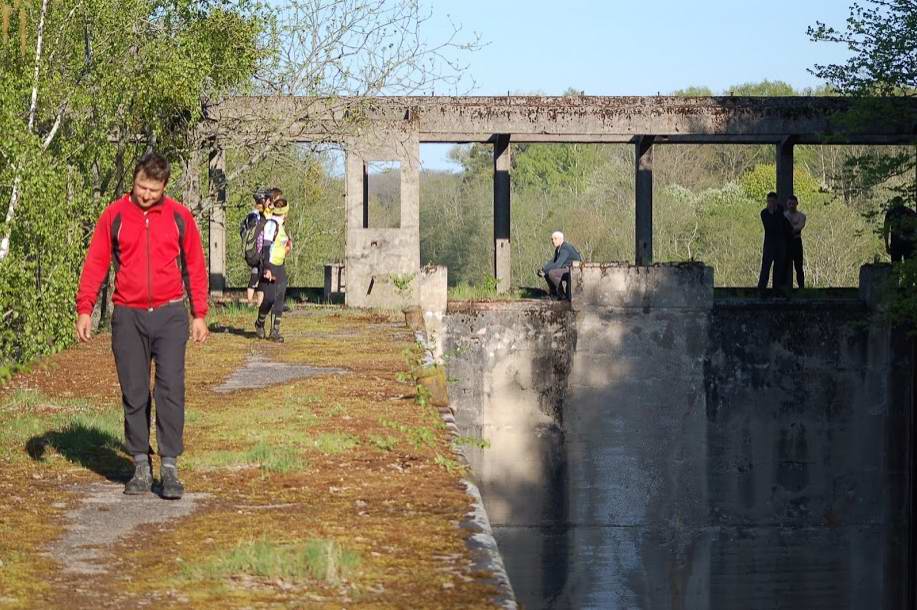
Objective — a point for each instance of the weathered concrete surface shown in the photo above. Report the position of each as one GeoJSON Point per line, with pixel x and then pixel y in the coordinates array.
{"type": "Point", "coordinates": [105, 515]}
{"type": "Point", "coordinates": [259, 372]}
{"type": "Point", "coordinates": [377, 259]}
{"type": "Point", "coordinates": [743, 453]}
{"type": "Point", "coordinates": [561, 119]}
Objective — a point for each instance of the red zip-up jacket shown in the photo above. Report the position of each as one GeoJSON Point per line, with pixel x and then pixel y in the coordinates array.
{"type": "Point", "coordinates": [157, 254]}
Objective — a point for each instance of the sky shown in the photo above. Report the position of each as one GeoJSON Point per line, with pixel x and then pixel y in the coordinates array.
{"type": "Point", "coordinates": [633, 47]}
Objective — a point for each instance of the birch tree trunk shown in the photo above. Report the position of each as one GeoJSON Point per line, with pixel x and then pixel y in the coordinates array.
{"type": "Point", "coordinates": [33, 108]}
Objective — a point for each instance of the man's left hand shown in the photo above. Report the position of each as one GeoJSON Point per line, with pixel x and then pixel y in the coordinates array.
{"type": "Point", "coordinates": [199, 330]}
{"type": "Point", "coordinates": [540, 273]}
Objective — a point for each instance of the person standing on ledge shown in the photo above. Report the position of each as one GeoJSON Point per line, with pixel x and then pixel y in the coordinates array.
{"type": "Point", "coordinates": [797, 222]}
{"type": "Point", "coordinates": [899, 231]}
{"type": "Point", "coordinates": [557, 270]}
{"type": "Point", "coordinates": [159, 260]}
{"type": "Point", "coordinates": [776, 232]}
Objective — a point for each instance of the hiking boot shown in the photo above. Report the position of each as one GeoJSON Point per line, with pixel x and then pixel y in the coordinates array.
{"type": "Point", "coordinates": [259, 330]}
{"type": "Point", "coordinates": [141, 482]}
{"type": "Point", "coordinates": [172, 489]}
{"type": "Point", "coordinates": [275, 336]}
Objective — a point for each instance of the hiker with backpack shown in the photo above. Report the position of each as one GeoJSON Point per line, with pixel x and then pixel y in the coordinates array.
{"type": "Point", "coordinates": [275, 245]}
{"type": "Point", "coordinates": [250, 231]}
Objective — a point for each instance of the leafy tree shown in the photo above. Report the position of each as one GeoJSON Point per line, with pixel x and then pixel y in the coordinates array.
{"type": "Point", "coordinates": [882, 38]}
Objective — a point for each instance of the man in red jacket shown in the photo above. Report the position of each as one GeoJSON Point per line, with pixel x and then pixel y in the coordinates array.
{"type": "Point", "coordinates": [156, 249]}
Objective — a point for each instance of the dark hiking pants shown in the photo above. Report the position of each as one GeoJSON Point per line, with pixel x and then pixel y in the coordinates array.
{"type": "Point", "coordinates": [138, 337]}
{"type": "Point", "coordinates": [774, 257]}
{"type": "Point", "coordinates": [794, 261]}
{"type": "Point", "coordinates": [275, 293]}
{"type": "Point", "coordinates": [555, 277]}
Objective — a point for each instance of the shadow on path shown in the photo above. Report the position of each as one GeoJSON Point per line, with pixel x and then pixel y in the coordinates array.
{"type": "Point", "coordinates": [88, 446]}
{"type": "Point", "coordinates": [231, 330]}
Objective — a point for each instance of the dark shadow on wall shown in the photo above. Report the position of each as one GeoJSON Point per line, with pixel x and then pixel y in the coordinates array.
{"type": "Point", "coordinates": [87, 446]}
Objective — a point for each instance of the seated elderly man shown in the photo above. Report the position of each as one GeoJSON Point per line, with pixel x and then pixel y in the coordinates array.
{"type": "Point", "coordinates": [557, 271]}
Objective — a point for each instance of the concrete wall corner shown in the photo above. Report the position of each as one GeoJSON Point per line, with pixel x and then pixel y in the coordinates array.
{"type": "Point", "coordinates": [625, 286]}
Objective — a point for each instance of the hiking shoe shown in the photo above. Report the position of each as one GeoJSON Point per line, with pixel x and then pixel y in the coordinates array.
{"type": "Point", "coordinates": [172, 489]}
{"type": "Point", "coordinates": [259, 330]}
{"type": "Point", "coordinates": [275, 336]}
{"type": "Point", "coordinates": [141, 482]}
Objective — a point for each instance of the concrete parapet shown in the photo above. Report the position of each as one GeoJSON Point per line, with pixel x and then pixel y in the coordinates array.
{"type": "Point", "coordinates": [626, 286]}
{"type": "Point", "coordinates": [874, 283]}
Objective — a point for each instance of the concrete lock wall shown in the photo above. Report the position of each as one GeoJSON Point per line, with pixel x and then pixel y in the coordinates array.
{"type": "Point", "coordinates": [656, 447]}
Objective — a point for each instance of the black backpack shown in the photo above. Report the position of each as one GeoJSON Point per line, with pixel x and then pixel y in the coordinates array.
{"type": "Point", "coordinates": [251, 240]}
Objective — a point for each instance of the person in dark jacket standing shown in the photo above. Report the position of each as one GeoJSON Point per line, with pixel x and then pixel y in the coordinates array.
{"type": "Point", "coordinates": [159, 260]}
{"type": "Point", "coordinates": [899, 231]}
{"type": "Point", "coordinates": [557, 270]}
{"type": "Point", "coordinates": [777, 231]}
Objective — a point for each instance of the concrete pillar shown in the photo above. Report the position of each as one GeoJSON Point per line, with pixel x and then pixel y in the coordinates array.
{"type": "Point", "coordinates": [502, 261]}
{"type": "Point", "coordinates": [217, 228]}
{"type": "Point", "coordinates": [643, 220]}
{"type": "Point", "coordinates": [784, 169]}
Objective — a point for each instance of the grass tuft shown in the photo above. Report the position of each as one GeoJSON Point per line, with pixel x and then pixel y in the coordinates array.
{"type": "Point", "coordinates": [335, 442]}
{"type": "Point", "coordinates": [317, 560]}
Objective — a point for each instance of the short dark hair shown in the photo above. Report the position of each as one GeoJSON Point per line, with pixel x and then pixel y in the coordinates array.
{"type": "Point", "coordinates": [771, 195]}
{"type": "Point", "coordinates": [155, 166]}
{"type": "Point", "coordinates": [793, 198]}
{"type": "Point", "coordinates": [276, 194]}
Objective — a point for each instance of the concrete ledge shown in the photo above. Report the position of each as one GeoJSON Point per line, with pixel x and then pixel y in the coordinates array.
{"type": "Point", "coordinates": [626, 286]}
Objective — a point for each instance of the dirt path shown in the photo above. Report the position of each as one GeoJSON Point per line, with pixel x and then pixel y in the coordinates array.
{"type": "Point", "coordinates": [315, 480]}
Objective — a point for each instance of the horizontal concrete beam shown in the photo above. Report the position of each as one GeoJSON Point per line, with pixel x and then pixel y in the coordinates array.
{"type": "Point", "coordinates": [703, 120]}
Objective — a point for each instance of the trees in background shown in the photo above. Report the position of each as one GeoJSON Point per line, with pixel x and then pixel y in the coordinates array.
{"type": "Point", "coordinates": [882, 38]}
{"type": "Point", "coordinates": [98, 83]}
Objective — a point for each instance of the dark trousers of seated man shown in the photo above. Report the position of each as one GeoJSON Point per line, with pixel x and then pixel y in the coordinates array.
{"type": "Point", "coordinates": [275, 293]}
{"type": "Point", "coordinates": [139, 337]}
{"type": "Point", "coordinates": [555, 278]}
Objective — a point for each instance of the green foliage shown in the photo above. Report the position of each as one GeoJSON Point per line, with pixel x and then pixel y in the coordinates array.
{"type": "Point", "coordinates": [762, 179]}
{"type": "Point", "coordinates": [402, 282]}
{"type": "Point", "coordinates": [108, 72]}
{"type": "Point", "coordinates": [315, 221]}
{"type": "Point", "coordinates": [882, 38]}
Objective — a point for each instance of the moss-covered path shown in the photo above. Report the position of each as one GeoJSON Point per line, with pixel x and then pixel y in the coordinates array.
{"type": "Point", "coordinates": [328, 487]}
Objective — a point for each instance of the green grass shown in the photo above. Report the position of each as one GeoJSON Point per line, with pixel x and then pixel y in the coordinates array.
{"type": "Point", "coordinates": [271, 458]}
{"type": "Point", "coordinates": [317, 560]}
{"type": "Point", "coordinates": [384, 443]}
{"type": "Point", "coordinates": [422, 436]}
{"type": "Point", "coordinates": [335, 442]}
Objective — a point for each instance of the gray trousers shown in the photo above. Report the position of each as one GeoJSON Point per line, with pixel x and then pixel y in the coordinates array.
{"type": "Point", "coordinates": [554, 278]}
{"type": "Point", "coordinates": [139, 337]}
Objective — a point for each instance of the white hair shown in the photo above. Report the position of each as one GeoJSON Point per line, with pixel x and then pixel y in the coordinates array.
{"type": "Point", "coordinates": [557, 234]}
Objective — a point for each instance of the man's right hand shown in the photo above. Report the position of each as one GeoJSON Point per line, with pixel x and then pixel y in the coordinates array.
{"type": "Point", "coordinates": [268, 276]}
{"type": "Point", "coordinates": [84, 327]}
{"type": "Point", "coordinates": [540, 273]}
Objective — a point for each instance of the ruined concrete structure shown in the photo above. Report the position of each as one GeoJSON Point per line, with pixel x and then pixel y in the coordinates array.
{"type": "Point", "coordinates": [392, 129]}
{"type": "Point", "coordinates": [657, 447]}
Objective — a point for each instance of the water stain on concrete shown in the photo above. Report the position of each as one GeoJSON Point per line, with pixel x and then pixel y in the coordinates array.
{"type": "Point", "coordinates": [105, 516]}
{"type": "Point", "coordinates": [259, 372]}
